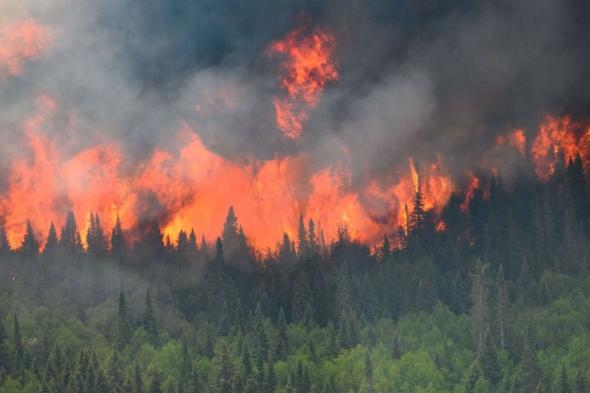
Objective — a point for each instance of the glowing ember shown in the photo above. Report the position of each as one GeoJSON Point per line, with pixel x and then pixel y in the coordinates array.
{"type": "Point", "coordinates": [308, 66]}
{"type": "Point", "coordinates": [20, 42]}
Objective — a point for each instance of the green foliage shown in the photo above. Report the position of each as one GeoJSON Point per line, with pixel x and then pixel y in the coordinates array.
{"type": "Point", "coordinates": [500, 302]}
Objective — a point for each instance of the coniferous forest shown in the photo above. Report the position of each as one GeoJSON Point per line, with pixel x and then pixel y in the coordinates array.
{"type": "Point", "coordinates": [499, 301]}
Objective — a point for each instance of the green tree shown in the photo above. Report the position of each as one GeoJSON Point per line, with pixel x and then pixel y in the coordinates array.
{"type": "Point", "coordinates": [30, 246]}
{"type": "Point", "coordinates": [156, 384]}
{"type": "Point", "coordinates": [564, 385]}
{"type": "Point", "coordinates": [123, 327]}
{"type": "Point", "coordinates": [19, 349]}
{"type": "Point", "coordinates": [137, 380]}
{"type": "Point", "coordinates": [480, 307]}
{"type": "Point", "coordinates": [148, 319]}
{"type": "Point", "coordinates": [581, 384]}
{"type": "Point", "coordinates": [488, 362]}
{"type": "Point", "coordinates": [52, 242]}
{"type": "Point", "coordinates": [282, 346]}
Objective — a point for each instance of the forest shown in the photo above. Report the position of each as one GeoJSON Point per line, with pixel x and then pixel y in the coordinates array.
{"type": "Point", "coordinates": [496, 300]}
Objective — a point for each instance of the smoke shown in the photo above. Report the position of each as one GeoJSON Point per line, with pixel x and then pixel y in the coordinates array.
{"type": "Point", "coordinates": [416, 78]}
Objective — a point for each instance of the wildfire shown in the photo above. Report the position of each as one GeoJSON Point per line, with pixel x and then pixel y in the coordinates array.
{"type": "Point", "coordinates": [19, 42]}
{"type": "Point", "coordinates": [516, 139]}
{"type": "Point", "coordinates": [308, 67]}
{"type": "Point", "coordinates": [556, 139]}
{"type": "Point", "coordinates": [473, 186]}
{"type": "Point", "coordinates": [193, 188]}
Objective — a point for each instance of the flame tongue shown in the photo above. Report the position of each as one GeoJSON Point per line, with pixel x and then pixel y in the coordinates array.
{"type": "Point", "coordinates": [19, 42]}
{"type": "Point", "coordinates": [308, 67]}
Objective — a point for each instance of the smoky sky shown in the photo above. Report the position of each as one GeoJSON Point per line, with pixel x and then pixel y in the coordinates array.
{"type": "Point", "coordinates": [417, 77]}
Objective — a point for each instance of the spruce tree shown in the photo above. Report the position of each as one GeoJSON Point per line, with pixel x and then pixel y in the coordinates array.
{"type": "Point", "coordinates": [564, 385]}
{"type": "Point", "coordinates": [118, 243]}
{"type": "Point", "coordinates": [148, 319]}
{"type": "Point", "coordinates": [282, 346]}
{"type": "Point", "coordinates": [52, 242]}
{"type": "Point", "coordinates": [69, 239]}
{"type": "Point", "coordinates": [95, 237]}
{"type": "Point", "coordinates": [123, 327]}
{"type": "Point", "coordinates": [581, 384]}
{"type": "Point", "coordinates": [226, 370]}
{"type": "Point", "coordinates": [501, 308]}
{"type": "Point", "coordinates": [6, 353]}
{"type": "Point", "coordinates": [30, 246]}
{"type": "Point", "coordinates": [489, 362]}
{"type": "Point", "coordinates": [302, 237]}
{"type": "Point", "coordinates": [19, 349]}
{"type": "Point", "coordinates": [137, 380]}
{"type": "Point", "coordinates": [479, 301]}
{"type": "Point", "coordinates": [531, 369]}
{"type": "Point", "coordinates": [156, 384]}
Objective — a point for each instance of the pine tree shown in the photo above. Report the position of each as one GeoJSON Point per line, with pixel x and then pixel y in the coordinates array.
{"type": "Point", "coordinates": [69, 239]}
{"type": "Point", "coordinates": [52, 242]}
{"type": "Point", "coordinates": [331, 385]}
{"type": "Point", "coordinates": [5, 351]}
{"type": "Point", "coordinates": [581, 384]}
{"type": "Point", "coordinates": [123, 327]}
{"type": "Point", "coordinates": [270, 380]}
{"type": "Point", "coordinates": [369, 372]}
{"type": "Point", "coordinates": [156, 384]}
{"type": "Point", "coordinates": [472, 381]}
{"type": "Point", "coordinates": [182, 242]}
{"type": "Point", "coordinates": [114, 373]}
{"type": "Point", "coordinates": [219, 251]}
{"type": "Point", "coordinates": [417, 219]}
{"type": "Point", "coordinates": [312, 242]}
{"type": "Point", "coordinates": [531, 369]}
{"type": "Point", "coordinates": [489, 362]}
{"type": "Point", "coordinates": [102, 383]}
{"type": "Point", "coordinates": [564, 385]}
{"type": "Point", "coordinates": [282, 347]}
{"type": "Point", "coordinates": [226, 370]}
{"type": "Point", "coordinates": [118, 243]}
{"type": "Point", "coordinates": [286, 249]}
{"type": "Point", "coordinates": [192, 241]}
{"type": "Point", "coordinates": [479, 309]}
{"type": "Point", "coordinates": [195, 386]}
{"type": "Point", "coordinates": [19, 349]}
{"type": "Point", "coordinates": [137, 380]}
{"type": "Point", "coordinates": [30, 246]}
{"type": "Point", "coordinates": [302, 237]}
{"type": "Point", "coordinates": [259, 333]}
{"type": "Point", "coordinates": [396, 351]}
{"type": "Point", "coordinates": [95, 237]}
{"type": "Point", "coordinates": [148, 319]}
{"type": "Point", "coordinates": [501, 307]}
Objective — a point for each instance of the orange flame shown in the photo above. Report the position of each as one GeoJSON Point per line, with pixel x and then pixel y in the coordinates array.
{"type": "Point", "coordinates": [558, 138]}
{"type": "Point", "coordinates": [474, 185]}
{"type": "Point", "coordinates": [516, 139]}
{"type": "Point", "coordinates": [309, 67]}
{"type": "Point", "coordinates": [19, 42]}
{"type": "Point", "coordinates": [195, 186]}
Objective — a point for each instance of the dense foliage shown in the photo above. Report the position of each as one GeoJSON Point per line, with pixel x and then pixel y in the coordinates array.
{"type": "Point", "coordinates": [499, 301]}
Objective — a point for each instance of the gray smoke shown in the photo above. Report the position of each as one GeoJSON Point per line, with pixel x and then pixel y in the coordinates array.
{"type": "Point", "coordinates": [416, 77]}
